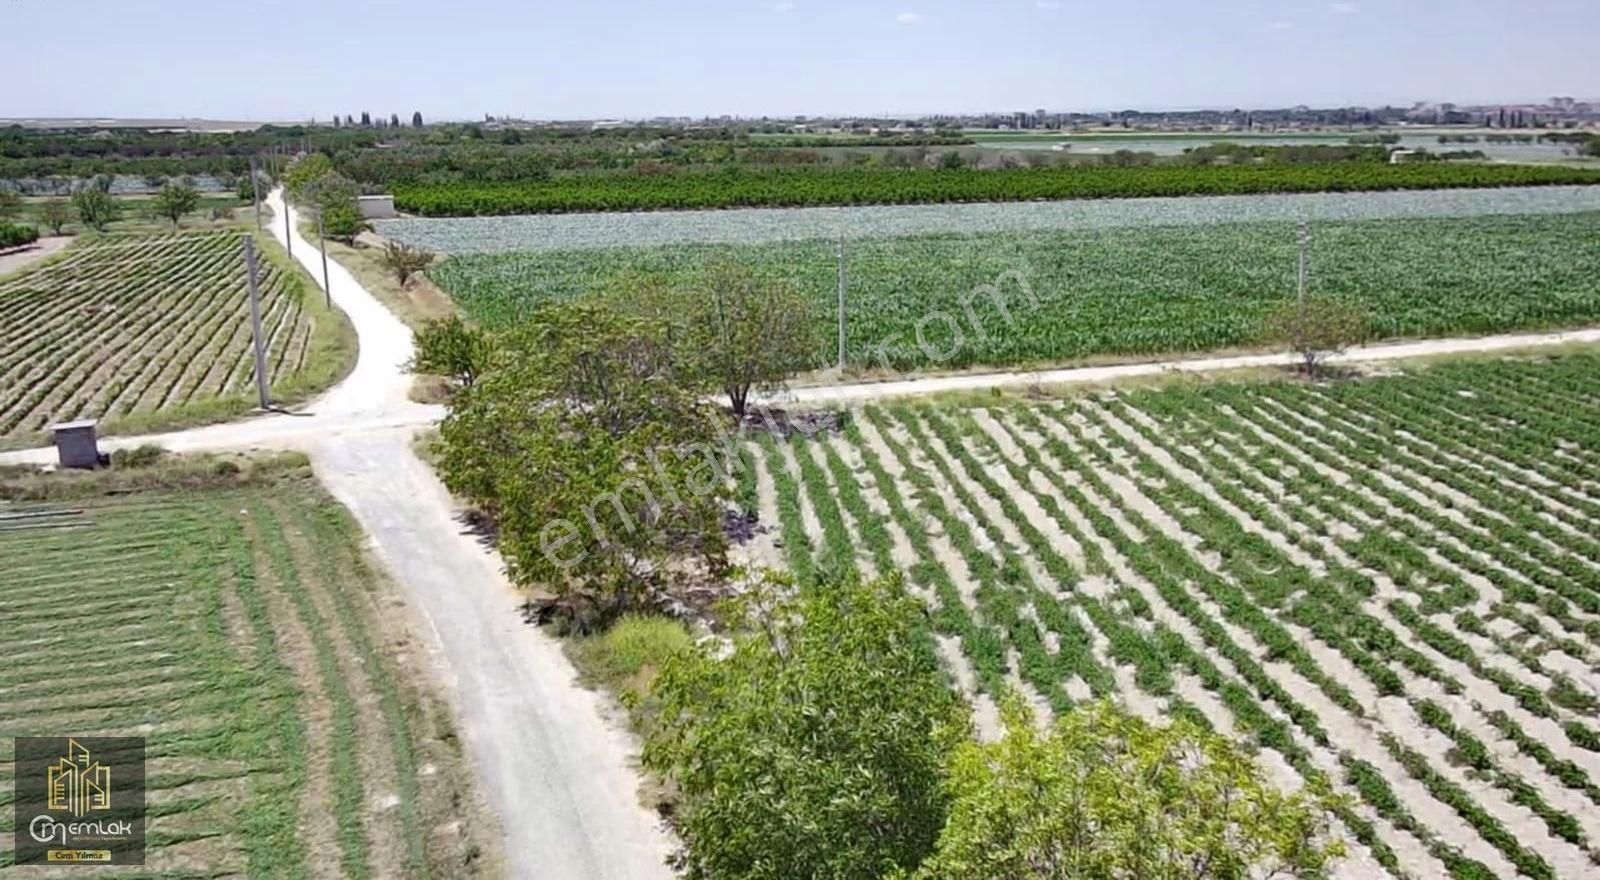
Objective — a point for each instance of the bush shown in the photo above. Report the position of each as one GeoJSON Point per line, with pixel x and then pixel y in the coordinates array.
{"type": "Point", "coordinates": [450, 348]}
{"type": "Point", "coordinates": [1104, 794]}
{"type": "Point", "coordinates": [1314, 328]}
{"type": "Point", "coordinates": [144, 455]}
{"type": "Point", "coordinates": [404, 260]}
{"type": "Point", "coordinates": [16, 236]}
{"type": "Point", "coordinates": [638, 643]}
{"type": "Point", "coordinates": [10, 204]}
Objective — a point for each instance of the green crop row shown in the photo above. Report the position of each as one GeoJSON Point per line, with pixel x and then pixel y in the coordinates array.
{"type": "Point", "coordinates": [921, 302]}
{"type": "Point", "coordinates": [889, 186]}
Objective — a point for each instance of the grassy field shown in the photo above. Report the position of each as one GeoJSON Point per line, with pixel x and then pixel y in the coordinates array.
{"type": "Point", "coordinates": [1390, 584]}
{"type": "Point", "coordinates": [290, 723]}
{"type": "Point", "coordinates": [152, 330]}
{"type": "Point", "coordinates": [1110, 292]}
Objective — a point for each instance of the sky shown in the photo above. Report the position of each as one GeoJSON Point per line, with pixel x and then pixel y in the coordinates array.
{"type": "Point", "coordinates": [293, 60]}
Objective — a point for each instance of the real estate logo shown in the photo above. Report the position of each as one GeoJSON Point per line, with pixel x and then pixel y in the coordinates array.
{"type": "Point", "coordinates": [79, 800]}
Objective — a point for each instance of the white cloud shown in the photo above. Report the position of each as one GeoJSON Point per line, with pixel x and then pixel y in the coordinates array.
{"type": "Point", "coordinates": [1048, 4]}
{"type": "Point", "coordinates": [1343, 8]}
{"type": "Point", "coordinates": [1280, 26]}
{"type": "Point", "coordinates": [908, 18]}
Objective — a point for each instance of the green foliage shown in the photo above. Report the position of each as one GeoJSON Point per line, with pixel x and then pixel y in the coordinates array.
{"type": "Point", "coordinates": [55, 214]}
{"type": "Point", "coordinates": [863, 186]}
{"type": "Point", "coordinates": [175, 200]}
{"type": "Point", "coordinates": [600, 466]}
{"type": "Point", "coordinates": [1104, 794]}
{"type": "Point", "coordinates": [814, 749]}
{"type": "Point", "coordinates": [342, 221]}
{"type": "Point", "coordinates": [1124, 291]}
{"type": "Point", "coordinates": [734, 331]}
{"type": "Point", "coordinates": [405, 261]}
{"type": "Point", "coordinates": [1315, 327]}
{"type": "Point", "coordinates": [10, 204]}
{"type": "Point", "coordinates": [303, 174]}
{"type": "Point", "coordinates": [638, 643]}
{"type": "Point", "coordinates": [449, 347]}
{"type": "Point", "coordinates": [96, 208]}
{"type": "Point", "coordinates": [14, 236]}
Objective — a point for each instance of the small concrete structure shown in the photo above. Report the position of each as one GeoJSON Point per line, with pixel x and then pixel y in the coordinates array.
{"type": "Point", "coordinates": [377, 207]}
{"type": "Point", "coordinates": [76, 444]}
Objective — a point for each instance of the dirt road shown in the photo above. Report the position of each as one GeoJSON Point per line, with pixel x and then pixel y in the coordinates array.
{"type": "Point", "coordinates": [548, 760]}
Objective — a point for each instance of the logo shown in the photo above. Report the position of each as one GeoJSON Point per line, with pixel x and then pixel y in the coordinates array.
{"type": "Point", "coordinates": [79, 800]}
{"type": "Point", "coordinates": [78, 783]}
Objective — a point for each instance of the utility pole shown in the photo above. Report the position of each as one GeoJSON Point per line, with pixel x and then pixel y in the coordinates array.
{"type": "Point", "coordinates": [844, 286]}
{"type": "Point", "coordinates": [1305, 257]}
{"type": "Point", "coordinates": [288, 228]}
{"type": "Point", "coordinates": [255, 322]}
{"type": "Point", "coordinates": [322, 244]}
{"type": "Point", "coordinates": [255, 191]}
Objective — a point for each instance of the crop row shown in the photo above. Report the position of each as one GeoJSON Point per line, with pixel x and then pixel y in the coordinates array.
{"type": "Point", "coordinates": [136, 325]}
{"type": "Point", "coordinates": [547, 232]}
{"type": "Point", "coordinates": [1393, 585]}
{"type": "Point", "coordinates": [922, 302]}
{"type": "Point", "coordinates": [863, 186]}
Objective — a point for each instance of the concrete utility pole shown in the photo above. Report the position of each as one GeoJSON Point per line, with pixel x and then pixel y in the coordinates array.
{"type": "Point", "coordinates": [322, 244]}
{"type": "Point", "coordinates": [1305, 257]}
{"type": "Point", "coordinates": [288, 228]}
{"type": "Point", "coordinates": [255, 191]}
{"type": "Point", "coordinates": [255, 322]}
{"type": "Point", "coordinates": [844, 286]}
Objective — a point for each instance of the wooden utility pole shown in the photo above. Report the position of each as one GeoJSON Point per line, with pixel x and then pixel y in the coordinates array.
{"type": "Point", "coordinates": [1305, 257]}
{"type": "Point", "coordinates": [255, 191]}
{"type": "Point", "coordinates": [844, 286]}
{"type": "Point", "coordinates": [255, 323]}
{"type": "Point", "coordinates": [322, 244]}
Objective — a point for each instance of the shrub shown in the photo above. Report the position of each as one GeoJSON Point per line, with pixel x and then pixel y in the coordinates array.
{"type": "Point", "coordinates": [1315, 327]}
{"type": "Point", "coordinates": [10, 203]}
{"type": "Point", "coordinates": [1105, 794]}
{"type": "Point", "coordinates": [16, 236]}
{"type": "Point", "coordinates": [404, 260]}
{"type": "Point", "coordinates": [450, 348]}
{"type": "Point", "coordinates": [140, 456]}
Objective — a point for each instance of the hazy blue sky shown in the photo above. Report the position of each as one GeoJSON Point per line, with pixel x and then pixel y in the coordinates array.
{"type": "Point", "coordinates": [295, 59]}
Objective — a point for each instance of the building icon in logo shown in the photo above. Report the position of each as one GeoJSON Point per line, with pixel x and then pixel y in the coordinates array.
{"type": "Point", "coordinates": [77, 783]}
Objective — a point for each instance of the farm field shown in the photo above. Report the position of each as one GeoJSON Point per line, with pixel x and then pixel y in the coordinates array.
{"type": "Point", "coordinates": [154, 329]}
{"type": "Point", "coordinates": [1119, 292]}
{"type": "Point", "coordinates": [1389, 584]}
{"type": "Point", "coordinates": [289, 730]}
{"type": "Point", "coordinates": [538, 232]}
{"type": "Point", "coordinates": [860, 186]}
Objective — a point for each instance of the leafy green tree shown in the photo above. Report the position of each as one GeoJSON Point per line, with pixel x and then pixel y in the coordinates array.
{"type": "Point", "coordinates": [336, 199]}
{"type": "Point", "coordinates": [175, 200]}
{"type": "Point", "coordinates": [96, 208]}
{"type": "Point", "coordinates": [1315, 327]}
{"type": "Point", "coordinates": [1105, 794]}
{"type": "Point", "coordinates": [451, 348]}
{"type": "Point", "coordinates": [55, 214]}
{"type": "Point", "coordinates": [733, 333]}
{"type": "Point", "coordinates": [814, 748]}
{"type": "Point", "coordinates": [10, 204]}
{"type": "Point", "coordinates": [752, 335]}
{"type": "Point", "coordinates": [600, 467]}
{"type": "Point", "coordinates": [305, 172]}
